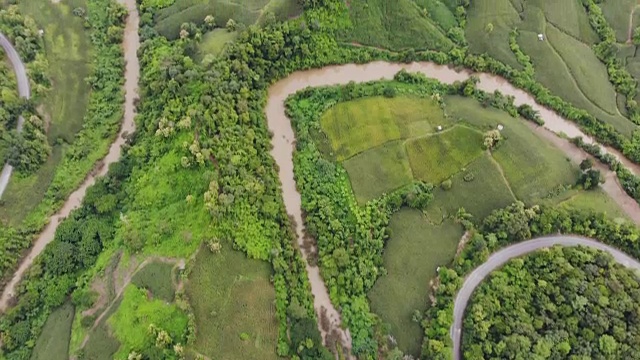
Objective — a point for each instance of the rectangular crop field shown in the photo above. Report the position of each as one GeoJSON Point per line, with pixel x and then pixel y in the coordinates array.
{"type": "Point", "coordinates": [378, 170]}
{"type": "Point", "coordinates": [618, 15]}
{"type": "Point", "coordinates": [358, 125]}
{"type": "Point", "coordinates": [492, 39]}
{"type": "Point", "coordinates": [230, 295]}
{"type": "Point", "coordinates": [53, 342]}
{"type": "Point", "coordinates": [437, 157]}
{"type": "Point", "coordinates": [412, 254]}
{"type": "Point", "coordinates": [532, 166]}
{"type": "Point", "coordinates": [157, 278]}
{"type": "Point", "coordinates": [596, 200]}
{"type": "Point", "coordinates": [569, 16]}
{"type": "Point", "coordinates": [486, 192]}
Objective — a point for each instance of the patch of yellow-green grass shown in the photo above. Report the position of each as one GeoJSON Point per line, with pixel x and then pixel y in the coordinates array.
{"type": "Point", "coordinates": [411, 257]}
{"type": "Point", "coordinates": [437, 157]}
{"type": "Point", "coordinates": [394, 25]}
{"type": "Point", "coordinates": [597, 201]}
{"type": "Point", "coordinates": [492, 39]}
{"type": "Point", "coordinates": [53, 342]}
{"type": "Point", "coordinates": [214, 42]}
{"type": "Point", "coordinates": [130, 323]}
{"type": "Point", "coordinates": [358, 125]}
{"type": "Point", "coordinates": [230, 295]}
{"type": "Point", "coordinates": [532, 166]}
{"type": "Point", "coordinates": [617, 14]}
{"type": "Point", "coordinates": [378, 170]}
{"type": "Point", "coordinates": [486, 192]}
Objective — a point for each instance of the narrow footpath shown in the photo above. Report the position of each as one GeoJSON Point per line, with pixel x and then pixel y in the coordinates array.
{"type": "Point", "coordinates": [131, 43]}
{"type": "Point", "coordinates": [23, 91]}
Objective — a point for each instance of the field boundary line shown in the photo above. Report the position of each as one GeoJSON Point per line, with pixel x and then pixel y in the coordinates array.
{"type": "Point", "coordinates": [501, 171]}
{"type": "Point", "coordinates": [571, 74]}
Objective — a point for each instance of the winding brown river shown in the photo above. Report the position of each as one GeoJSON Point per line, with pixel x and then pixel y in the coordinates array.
{"type": "Point", "coordinates": [284, 141]}
{"type": "Point", "coordinates": [131, 43]}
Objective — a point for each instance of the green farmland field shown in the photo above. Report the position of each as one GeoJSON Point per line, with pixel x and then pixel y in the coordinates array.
{"type": "Point", "coordinates": [53, 343]}
{"type": "Point", "coordinates": [361, 124]}
{"type": "Point", "coordinates": [157, 278]}
{"type": "Point", "coordinates": [379, 170]}
{"type": "Point", "coordinates": [398, 25]}
{"type": "Point", "coordinates": [230, 295]}
{"type": "Point", "coordinates": [414, 251]}
{"type": "Point", "coordinates": [618, 14]}
{"type": "Point", "coordinates": [436, 158]}
{"type": "Point", "coordinates": [247, 12]}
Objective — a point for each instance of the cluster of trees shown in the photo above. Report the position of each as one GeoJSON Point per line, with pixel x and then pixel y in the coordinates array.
{"type": "Point", "coordinates": [559, 303]}
{"type": "Point", "coordinates": [503, 227]}
{"type": "Point", "coordinates": [606, 51]}
{"type": "Point", "coordinates": [28, 149]}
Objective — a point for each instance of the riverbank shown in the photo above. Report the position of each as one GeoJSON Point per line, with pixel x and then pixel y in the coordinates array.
{"type": "Point", "coordinates": [131, 43]}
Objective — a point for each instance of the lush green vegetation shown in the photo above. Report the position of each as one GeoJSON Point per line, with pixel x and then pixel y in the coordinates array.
{"type": "Point", "coordinates": [67, 50]}
{"type": "Point", "coordinates": [231, 296]}
{"type": "Point", "coordinates": [596, 201]}
{"type": "Point", "coordinates": [199, 171]}
{"type": "Point", "coordinates": [172, 14]}
{"type": "Point", "coordinates": [102, 122]}
{"type": "Point", "coordinates": [25, 150]}
{"type": "Point", "coordinates": [53, 343]}
{"type": "Point", "coordinates": [512, 224]}
{"type": "Point", "coordinates": [401, 24]}
{"type": "Point", "coordinates": [556, 303]}
{"type": "Point", "coordinates": [437, 158]}
{"type": "Point", "coordinates": [411, 256]}
{"type": "Point", "coordinates": [151, 328]}
{"type": "Point", "coordinates": [156, 277]}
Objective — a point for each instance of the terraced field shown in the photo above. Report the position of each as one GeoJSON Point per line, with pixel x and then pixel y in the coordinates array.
{"type": "Point", "coordinates": [564, 61]}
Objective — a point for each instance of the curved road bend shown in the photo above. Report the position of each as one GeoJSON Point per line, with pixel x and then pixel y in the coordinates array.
{"type": "Point", "coordinates": [23, 91]}
{"type": "Point", "coordinates": [499, 258]}
{"type": "Point", "coordinates": [131, 43]}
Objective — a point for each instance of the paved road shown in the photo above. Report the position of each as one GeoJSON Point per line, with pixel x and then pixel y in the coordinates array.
{"type": "Point", "coordinates": [501, 257]}
{"type": "Point", "coordinates": [23, 90]}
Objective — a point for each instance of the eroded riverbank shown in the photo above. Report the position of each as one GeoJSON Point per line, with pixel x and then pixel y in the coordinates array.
{"type": "Point", "coordinates": [131, 43]}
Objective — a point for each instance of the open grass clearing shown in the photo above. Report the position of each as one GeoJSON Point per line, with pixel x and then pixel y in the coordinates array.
{"type": "Point", "coordinates": [597, 201]}
{"type": "Point", "coordinates": [532, 166]}
{"type": "Point", "coordinates": [247, 12]}
{"type": "Point", "coordinates": [230, 295]}
{"type": "Point", "coordinates": [215, 41]}
{"type": "Point", "coordinates": [503, 17]}
{"type": "Point", "coordinates": [617, 14]}
{"type": "Point", "coordinates": [102, 344]}
{"type": "Point", "coordinates": [568, 16]}
{"type": "Point", "coordinates": [411, 257]}
{"type": "Point", "coordinates": [358, 125]}
{"type": "Point", "coordinates": [378, 170]}
{"type": "Point", "coordinates": [486, 192]}
{"type": "Point", "coordinates": [53, 342]}
{"type": "Point", "coordinates": [397, 25]}
{"type": "Point", "coordinates": [437, 157]}
{"type": "Point", "coordinates": [157, 277]}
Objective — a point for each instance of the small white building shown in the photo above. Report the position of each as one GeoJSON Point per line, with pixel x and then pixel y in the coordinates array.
{"type": "Point", "coordinates": [40, 32]}
{"type": "Point", "coordinates": [541, 37]}
{"type": "Point", "coordinates": [500, 127]}
{"type": "Point", "coordinates": [439, 127]}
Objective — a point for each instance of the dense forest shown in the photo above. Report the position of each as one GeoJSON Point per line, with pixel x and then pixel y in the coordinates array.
{"type": "Point", "coordinates": [561, 303]}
